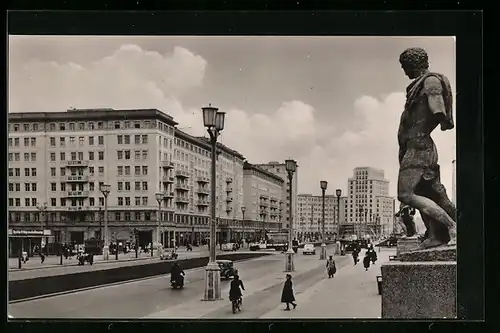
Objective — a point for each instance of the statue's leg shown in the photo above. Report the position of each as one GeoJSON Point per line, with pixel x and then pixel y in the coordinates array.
{"type": "Point", "coordinates": [432, 239]}
{"type": "Point", "coordinates": [407, 182]}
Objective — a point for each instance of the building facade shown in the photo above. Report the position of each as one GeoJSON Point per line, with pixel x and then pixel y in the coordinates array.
{"type": "Point", "coordinates": [263, 200]}
{"type": "Point", "coordinates": [310, 210]}
{"type": "Point", "coordinates": [370, 210]}
{"type": "Point", "coordinates": [279, 170]}
{"type": "Point", "coordinates": [59, 160]}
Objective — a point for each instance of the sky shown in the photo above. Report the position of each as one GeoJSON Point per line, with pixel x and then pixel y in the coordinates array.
{"type": "Point", "coordinates": [331, 103]}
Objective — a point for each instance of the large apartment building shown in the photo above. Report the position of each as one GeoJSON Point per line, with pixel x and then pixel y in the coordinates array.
{"type": "Point", "coordinates": [310, 215]}
{"type": "Point", "coordinates": [370, 208]}
{"type": "Point", "coordinates": [279, 170]}
{"type": "Point", "coordinates": [57, 162]}
{"type": "Point", "coordinates": [263, 193]}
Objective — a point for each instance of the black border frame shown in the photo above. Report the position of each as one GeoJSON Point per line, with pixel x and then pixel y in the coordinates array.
{"type": "Point", "coordinates": [465, 25]}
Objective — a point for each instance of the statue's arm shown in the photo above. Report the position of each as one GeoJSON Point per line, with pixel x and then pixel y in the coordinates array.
{"type": "Point", "coordinates": [434, 92]}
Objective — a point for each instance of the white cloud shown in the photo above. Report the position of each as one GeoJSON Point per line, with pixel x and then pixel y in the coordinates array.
{"type": "Point", "coordinates": [135, 78]}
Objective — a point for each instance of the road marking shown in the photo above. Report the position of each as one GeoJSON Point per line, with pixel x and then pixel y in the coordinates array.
{"type": "Point", "coordinates": [114, 284]}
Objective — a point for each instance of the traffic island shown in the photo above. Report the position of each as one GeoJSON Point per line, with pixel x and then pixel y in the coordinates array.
{"type": "Point", "coordinates": [46, 285]}
{"type": "Point", "coordinates": [420, 285]}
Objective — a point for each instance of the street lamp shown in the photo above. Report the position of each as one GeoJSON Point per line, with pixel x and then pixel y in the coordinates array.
{"type": "Point", "coordinates": [323, 184]}
{"type": "Point", "coordinates": [159, 198]}
{"type": "Point", "coordinates": [213, 120]}
{"type": "Point", "coordinates": [243, 210]}
{"type": "Point", "coordinates": [43, 210]}
{"type": "Point", "coordinates": [105, 189]}
{"type": "Point", "coordinates": [291, 167]}
{"type": "Point", "coordinates": [338, 192]}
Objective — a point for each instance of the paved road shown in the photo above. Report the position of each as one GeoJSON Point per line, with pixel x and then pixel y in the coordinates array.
{"type": "Point", "coordinates": [351, 294]}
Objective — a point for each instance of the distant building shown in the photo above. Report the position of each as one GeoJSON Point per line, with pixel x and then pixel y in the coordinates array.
{"type": "Point", "coordinates": [310, 209]}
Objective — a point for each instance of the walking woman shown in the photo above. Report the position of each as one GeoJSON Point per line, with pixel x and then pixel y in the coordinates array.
{"type": "Point", "coordinates": [287, 295]}
{"type": "Point", "coordinates": [331, 269]}
{"type": "Point", "coordinates": [366, 261]}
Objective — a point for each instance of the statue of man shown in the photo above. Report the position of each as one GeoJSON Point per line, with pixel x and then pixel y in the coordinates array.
{"type": "Point", "coordinates": [428, 104]}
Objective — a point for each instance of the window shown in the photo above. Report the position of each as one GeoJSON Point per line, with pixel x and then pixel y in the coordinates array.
{"type": "Point", "coordinates": [18, 202]}
{"type": "Point", "coordinates": [137, 139]}
{"type": "Point", "coordinates": [100, 140]}
{"type": "Point", "coordinates": [71, 126]}
{"type": "Point", "coordinates": [33, 157]}
{"type": "Point", "coordinates": [91, 155]}
{"type": "Point", "coordinates": [10, 142]}
{"type": "Point", "coordinates": [118, 216]}
{"type": "Point", "coordinates": [52, 172]}
{"type": "Point", "coordinates": [145, 139]}
{"type": "Point", "coordinates": [26, 127]}
{"type": "Point", "coordinates": [127, 201]}
{"type": "Point", "coordinates": [137, 124]}
{"type": "Point", "coordinates": [33, 172]}
{"type": "Point", "coordinates": [127, 215]}
{"type": "Point", "coordinates": [137, 170]}
{"type": "Point", "coordinates": [62, 171]}
{"type": "Point", "coordinates": [52, 157]}
{"type": "Point", "coordinates": [27, 157]}
{"type": "Point", "coordinates": [120, 186]}
{"type": "Point", "coordinates": [63, 187]}
{"type": "Point", "coordinates": [26, 187]}
{"type": "Point", "coordinates": [62, 141]}
{"type": "Point", "coordinates": [81, 140]}
{"type": "Point", "coordinates": [137, 155]}
{"type": "Point", "coordinates": [138, 214]}
{"type": "Point", "coordinates": [127, 186]}
{"type": "Point", "coordinates": [26, 142]}
{"type": "Point", "coordinates": [144, 154]}
{"type": "Point", "coordinates": [91, 140]}
{"type": "Point", "coordinates": [145, 170]}
{"type": "Point", "coordinates": [72, 140]}
{"type": "Point", "coordinates": [119, 154]}
{"type": "Point", "coordinates": [101, 171]}
{"type": "Point", "coordinates": [11, 187]}
{"type": "Point", "coordinates": [101, 156]}
{"type": "Point", "coordinates": [126, 124]}
{"type": "Point", "coordinates": [80, 156]}
{"type": "Point", "coordinates": [62, 126]}
{"type": "Point", "coordinates": [144, 186]}
{"type": "Point", "coordinates": [127, 154]}
{"type": "Point", "coordinates": [120, 201]}
{"type": "Point", "coordinates": [63, 202]}
{"type": "Point", "coordinates": [119, 139]}
{"type": "Point", "coordinates": [127, 139]}
{"type": "Point", "coordinates": [100, 125]}
{"type": "Point", "coordinates": [127, 170]}
{"type": "Point", "coordinates": [91, 202]}
{"type": "Point", "coordinates": [33, 142]}
{"type": "Point", "coordinates": [137, 186]}
{"type": "Point", "coordinates": [145, 203]}
{"type": "Point", "coordinates": [18, 187]}
{"type": "Point", "coordinates": [52, 127]}
{"type": "Point", "coordinates": [33, 187]}
{"type": "Point", "coordinates": [53, 202]}
{"type": "Point", "coordinates": [33, 202]}
{"type": "Point", "coordinates": [27, 202]}
{"type": "Point", "coordinates": [53, 187]}
{"type": "Point", "coordinates": [101, 201]}
{"type": "Point", "coordinates": [91, 126]}
{"type": "Point", "coordinates": [117, 125]}
{"type": "Point", "coordinates": [17, 156]}
{"type": "Point", "coordinates": [91, 186]}
{"type": "Point", "coordinates": [73, 155]}
{"type": "Point", "coordinates": [11, 202]}
{"type": "Point", "coordinates": [26, 172]}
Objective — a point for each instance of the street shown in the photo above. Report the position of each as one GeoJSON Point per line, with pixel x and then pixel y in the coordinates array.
{"type": "Point", "coordinates": [352, 293]}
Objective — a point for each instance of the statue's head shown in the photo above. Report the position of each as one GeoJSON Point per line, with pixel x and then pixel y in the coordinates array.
{"type": "Point", "coordinates": [414, 62]}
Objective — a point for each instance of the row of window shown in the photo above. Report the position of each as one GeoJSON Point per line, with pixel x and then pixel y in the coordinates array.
{"type": "Point", "coordinates": [16, 157]}
{"type": "Point", "coordinates": [15, 142]}
{"type": "Point", "coordinates": [83, 126]}
{"type": "Point", "coordinates": [63, 202]}
{"type": "Point", "coordinates": [125, 154]}
{"type": "Point", "coordinates": [16, 187]}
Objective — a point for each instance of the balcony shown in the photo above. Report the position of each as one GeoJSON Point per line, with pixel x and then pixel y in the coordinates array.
{"type": "Point", "coordinates": [229, 189]}
{"type": "Point", "coordinates": [182, 174]}
{"type": "Point", "coordinates": [182, 199]}
{"type": "Point", "coordinates": [264, 203]}
{"type": "Point", "coordinates": [202, 190]}
{"type": "Point", "coordinates": [70, 164]}
{"type": "Point", "coordinates": [263, 210]}
{"type": "Point", "coordinates": [203, 180]}
{"type": "Point", "coordinates": [75, 179]}
{"type": "Point", "coordinates": [229, 199]}
{"type": "Point", "coordinates": [229, 180]}
{"type": "Point", "coordinates": [167, 179]}
{"type": "Point", "coordinates": [182, 187]}
{"type": "Point", "coordinates": [202, 203]}
{"type": "Point", "coordinates": [167, 164]}
{"type": "Point", "coordinates": [169, 195]}
{"type": "Point", "coordinates": [77, 208]}
{"type": "Point", "coordinates": [75, 194]}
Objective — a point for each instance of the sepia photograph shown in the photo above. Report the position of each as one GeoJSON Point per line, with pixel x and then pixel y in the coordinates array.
{"type": "Point", "coordinates": [232, 177]}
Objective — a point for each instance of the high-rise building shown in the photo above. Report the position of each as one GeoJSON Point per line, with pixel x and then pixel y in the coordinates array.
{"type": "Point", "coordinates": [263, 200]}
{"type": "Point", "coordinates": [310, 210]}
{"type": "Point", "coordinates": [279, 170]}
{"type": "Point", "coordinates": [370, 209]}
{"type": "Point", "coordinates": [454, 183]}
{"type": "Point", "coordinates": [61, 159]}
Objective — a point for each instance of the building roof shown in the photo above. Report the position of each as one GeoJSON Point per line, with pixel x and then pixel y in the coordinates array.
{"type": "Point", "coordinates": [97, 114]}
{"type": "Point", "coordinates": [192, 139]}
{"type": "Point", "coordinates": [249, 166]}
{"type": "Point", "coordinates": [223, 148]}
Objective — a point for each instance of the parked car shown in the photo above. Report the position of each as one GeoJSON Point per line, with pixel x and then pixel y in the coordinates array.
{"type": "Point", "coordinates": [229, 247]}
{"type": "Point", "coordinates": [309, 249]}
{"type": "Point", "coordinates": [227, 269]}
{"type": "Point", "coordinates": [254, 247]}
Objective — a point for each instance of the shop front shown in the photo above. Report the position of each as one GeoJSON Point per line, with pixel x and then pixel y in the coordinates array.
{"type": "Point", "coordinates": [27, 240]}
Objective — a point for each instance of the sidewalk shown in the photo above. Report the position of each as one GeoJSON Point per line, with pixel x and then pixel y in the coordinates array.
{"type": "Point", "coordinates": [352, 291]}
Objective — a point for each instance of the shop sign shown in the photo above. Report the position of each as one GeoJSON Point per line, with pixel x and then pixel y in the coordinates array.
{"type": "Point", "coordinates": [28, 232]}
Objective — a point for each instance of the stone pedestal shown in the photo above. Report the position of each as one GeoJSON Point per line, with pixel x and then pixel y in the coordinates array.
{"type": "Point", "coordinates": [105, 252]}
{"type": "Point", "coordinates": [420, 285]}
{"type": "Point", "coordinates": [322, 254]}
{"type": "Point", "coordinates": [289, 265]}
{"type": "Point", "coordinates": [407, 245]}
{"type": "Point", "coordinates": [212, 282]}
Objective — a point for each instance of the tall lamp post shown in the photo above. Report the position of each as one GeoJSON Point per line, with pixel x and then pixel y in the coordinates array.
{"type": "Point", "coordinates": [323, 184]}
{"type": "Point", "coordinates": [105, 189]}
{"type": "Point", "coordinates": [43, 210]}
{"type": "Point", "coordinates": [159, 198]}
{"type": "Point", "coordinates": [243, 210]}
{"type": "Point", "coordinates": [213, 120]}
{"type": "Point", "coordinates": [291, 167]}
{"type": "Point", "coordinates": [338, 192]}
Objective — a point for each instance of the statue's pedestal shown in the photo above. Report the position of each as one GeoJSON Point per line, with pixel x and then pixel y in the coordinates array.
{"type": "Point", "coordinates": [420, 285]}
{"type": "Point", "coordinates": [407, 245]}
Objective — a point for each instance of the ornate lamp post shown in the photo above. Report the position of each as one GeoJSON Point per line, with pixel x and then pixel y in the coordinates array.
{"type": "Point", "coordinates": [105, 189]}
{"type": "Point", "coordinates": [291, 167]}
{"type": "Point", "coordinates": [338, 192]}
{"type": "Point", "coordinates": [243, 210]}
{"type": "Point", "coordinates": [323, 184]}
{"type": "Point", "coordinates": [159, 196]}
{"type": "Point", "coordinates": [43, 211]}
{"type": "Point", "coordinates": [213, 120]}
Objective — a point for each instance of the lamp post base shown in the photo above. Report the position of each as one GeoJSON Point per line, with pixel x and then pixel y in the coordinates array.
{"type": "Point", "coordinates": [105, 252]}
{"type": "Point", "coordinates": [212, 282]}
{"type": "Point", "coordinates": [322, 254]}
{"type": "Point", "coordinates": [289, 266]}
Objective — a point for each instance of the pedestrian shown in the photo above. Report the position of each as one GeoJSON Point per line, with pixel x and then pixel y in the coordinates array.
{"type": "Point", "coordinates": [330, 267]}
{"type": "Point", "coordinates": [287, 294]}
{"type": "Point", "coordinates": [355, 255]}
{"type": "Point", "coordinates": [366, 261]}
{"type": "Point", "coordinates": [373, 256]}
{"type": "Point", "coordinates": [42, 257]}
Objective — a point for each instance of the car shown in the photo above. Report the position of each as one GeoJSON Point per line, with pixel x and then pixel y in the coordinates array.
{"type": "Point", "coordinates": [309, 249]}
{"type": "Point", "coordinates": [227, 269]}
